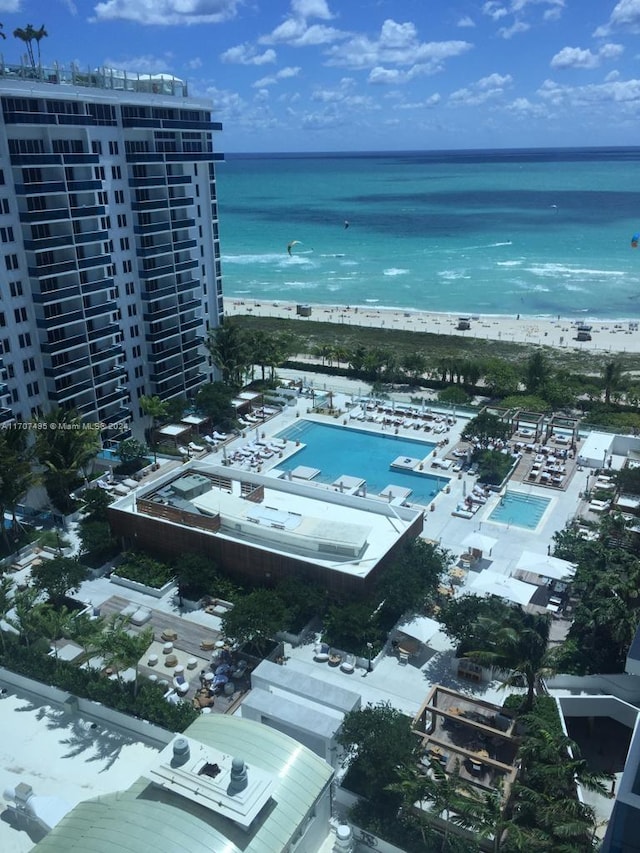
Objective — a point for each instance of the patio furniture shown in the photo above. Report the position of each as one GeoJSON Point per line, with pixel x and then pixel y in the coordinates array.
{"type": "Point", "coordinates": [192, 663]}
{"type": "Point", "coordinates": [321, 653]}
{"type": "Point", "coordinates": [142, 615]}
{"type": "Point", "coordinates": [167, 648]}
{"type": "Point", "coordinates": [229, 688]}
{"type": "Point", "coordinates": [348, 665]}
{"type": "Point", "coordinates": [180, 684]}
{"type": "Point", "coordinates": [168, 634]}
{"type": "Point", "coordinates": [170, 660]}
{"type": "Point", "coordinates": [335, 659]}
{"type": "Point", "coordinates": [153, 678]}
{"type": "Point", "coordinates": [207, 645]}
{"type": "Point", "coordinates": [153, 660]}
{"type": "Point", "coordinates": [403, 657]}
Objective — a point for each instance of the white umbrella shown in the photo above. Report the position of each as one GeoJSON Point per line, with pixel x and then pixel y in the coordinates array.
{"type": "Point", "coordinates": [421, 628]}
{"type": "Point", "coordinates": [548, 567]}
{"type": "Point", "coordinates": [479, 542]}
{"type": "Point", "coordinates": [511, 589]}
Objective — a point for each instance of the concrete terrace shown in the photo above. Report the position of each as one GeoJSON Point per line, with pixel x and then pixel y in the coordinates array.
{"type": "Point", "coordinates": [62, 754]}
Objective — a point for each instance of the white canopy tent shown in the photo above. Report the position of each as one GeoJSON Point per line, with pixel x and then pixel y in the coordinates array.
{"type": "Point", "coordinates": [549, 567]}
{"type": "Point", "coordinates": [421, 628]}
{"type": "Point", "coordinates": [511, 589]}
{"type": "Point", "coordinates": [479, 542]}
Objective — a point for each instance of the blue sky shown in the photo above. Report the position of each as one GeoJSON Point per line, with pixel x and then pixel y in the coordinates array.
{"type": "Point", "coordinates": [332, 75]}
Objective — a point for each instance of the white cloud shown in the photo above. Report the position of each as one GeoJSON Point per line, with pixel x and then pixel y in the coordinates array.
{"type": "Point", "coordinates": [167, 12]}
{"type": "Point", "coordinates": [283, 74]}
{"type": "Point", "coordinates": [246, 54]}
{"type": "Point", "coordinates": [397, 45]}
{"type": "Point", "coordinates": [494, 10]}
{"type": "Point", "coordinates": [514, 29]}
{"type": "Point", "coordinates": [486, 89]}
{"type": "Point", "coordinates": [10, 5]}
{"type": "Point", "coordinates": [195, 63]}
{"type": "Point", "coordinates": [428, 103]}
{"type": "Point", "coordinates": [576, 57]}
{"type": "Point", "coordinates": [466, 22]}
{"type": "Point", "coordinates": [625, 16]}
{"type": "Point", "coordinates": [620, 92]}
{"type": "Point", "coordinates": [296, 32]}
{"type": "Point", "coordinates": [524, 108]}
{"type": "Point", "coordinates": [311, 9]}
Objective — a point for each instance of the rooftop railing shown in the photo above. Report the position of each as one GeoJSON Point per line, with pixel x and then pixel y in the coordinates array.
{"type": "Point", "coordinates": [96, 78]}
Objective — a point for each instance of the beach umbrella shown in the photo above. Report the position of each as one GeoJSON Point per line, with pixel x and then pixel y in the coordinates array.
{"type": "Point", "coordinates": [464, 488]}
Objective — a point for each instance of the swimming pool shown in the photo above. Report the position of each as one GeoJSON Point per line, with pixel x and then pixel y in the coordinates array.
{"type": "Point", "coordinates": [520, 509]}
{"type": "Point", "coordinates": [336, 451]}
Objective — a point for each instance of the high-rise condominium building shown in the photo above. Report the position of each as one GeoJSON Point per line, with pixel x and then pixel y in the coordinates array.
{"type": "Point", "coordinates": [110, 259]}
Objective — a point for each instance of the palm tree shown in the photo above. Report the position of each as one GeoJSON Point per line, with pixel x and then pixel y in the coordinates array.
{"type": "Point", "coordinates": [28, 35]}
{"type": "Point", "coordinates": [121, 649]}
{"type": "Point", "coordinates": [64, 449]}
{"type": "Point", "coordinates": [230, 351]}
{"type": "Point", "coordinates": [611, 376]}
{"type": "Point", "coordinates": [156, 409]}
{"type": "Point", "coordinates": [444, 799]}
{"type": "Point", "coordinates": [6, 601]}
{"type": "Point", "coordinates": [520, 648]}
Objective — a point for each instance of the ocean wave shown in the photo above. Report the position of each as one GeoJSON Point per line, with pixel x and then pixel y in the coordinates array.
{"type": "Point", "coordinates": [568, 271]}
{"type": "Point", "coordinates": [486, 246]}
{"type": "Point", "coordinates": [395, 271]}
{"type": "Point", "coordinates": [252, 259]}
{"type": "Point", "coordinates": [508, 263]}
{"type": "Point", "coordinates": [453, 275]}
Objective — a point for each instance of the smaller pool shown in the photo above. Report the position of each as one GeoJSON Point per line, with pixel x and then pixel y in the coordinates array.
{"type": "Point", "coordinates": [520, 510]}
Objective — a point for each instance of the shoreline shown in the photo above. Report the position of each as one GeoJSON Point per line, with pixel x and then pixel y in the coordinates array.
{"type": "Point", "coordinates": [607, 335]}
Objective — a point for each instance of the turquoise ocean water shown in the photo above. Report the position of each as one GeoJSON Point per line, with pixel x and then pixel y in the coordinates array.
{"type": "Point", "coordinates": [542, 232]}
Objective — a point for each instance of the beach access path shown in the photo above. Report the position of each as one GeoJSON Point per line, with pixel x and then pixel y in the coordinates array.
{"type": "Point", "coordinates": [606, 335]}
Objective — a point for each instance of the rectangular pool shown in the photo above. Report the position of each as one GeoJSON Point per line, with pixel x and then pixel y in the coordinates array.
{"type": "Point", "coordinates": [520, 510]}
{"type": "Point", "coordinates": [336, 451]}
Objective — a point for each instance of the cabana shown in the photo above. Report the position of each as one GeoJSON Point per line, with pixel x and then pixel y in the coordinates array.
{"type": "Point", "coordinates": [478, 544]}
{"type": "Point", "coordinates": [511, 589]}
{"type": "Point", "coordinates": [549, 567]}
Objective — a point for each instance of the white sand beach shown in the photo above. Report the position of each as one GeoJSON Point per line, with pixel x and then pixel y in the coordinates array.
{"type": "Point", "coordinates": [607, 336]}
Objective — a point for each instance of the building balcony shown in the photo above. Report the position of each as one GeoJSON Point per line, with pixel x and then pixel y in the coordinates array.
{"type": "Point", "coordinates": [6, 415]}
{"type": "Point", "coordinates": [122, 414]}
{"type": "Point", "coordinates": [191, 264]}
{"type": "Point", "coordinates": [193, 361]}
{"type": "Point", "coordinates": [179, 179]}
{"type": "Point", "coordinates": [164, 334]}
{"type": "Point", "coordinates": [54, 347]}
{"type": "Point", "coordinates": [182, 222]}
{"type": "Point", "coordinates": [104, 332]}
{"type": "Point", "coordinates": [84, 186]}
{"type": "Point", "coordinates": [153, 227]}
{"type": "Point", "coordinates": [101, 310]}
{"type": "Point", "coordinates": [66, 318]}
{"type": "Point", "coordinates": [45, 188]}
{"type": "Point", "coordinates": [188, 304]}
{"type": "Point", "coordinates": [167, 373]}
{"type": "Point", "coordinates": [181, 201]}
{"type": "Point", "coordinates": [43, 243]}
{"type": "Point", "coordinates": [94, 261]}
{"type": "Point", "coordinates": [150, 205]}
{"type": "Point", "coordinates": [115, 397]}
{"type": "Point", "coordinates": [157, 272]}
{"type": "Point", "coordinates": [79, 363]}
{"type": "Point", "coordinates": [61, 395]}
{"type": "Point", "coordinates": [46, 270]}
{"type": "Point", "coordinates": [149, 181]}
{"type": "Point", "coordinates": [98, 286]}
{"type": "Point", "coordinates": [195, 381]}
{"type": "Point", "coordinates": [195, 323]}
{"type": "Point", "coordinates": [85, 211]}
{"type": "Point", "coordinates": [162, 355]}
{"type": "Point", "coordinates": [47, 297]}
{"type": "Point", "coordinates": [38, 216]}
{"type": "Point", "coordinates": [99, 355]}
{"type": "Point", "coordinates": [90, 237]}
{"type": "Point", "coordinates": [158, 314]}
{"type": "Point", "coordinates": [181, 245]}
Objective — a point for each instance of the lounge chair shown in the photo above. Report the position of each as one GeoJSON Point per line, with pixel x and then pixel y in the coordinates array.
{"type": "Point", "coordinates": [348, 665]}
{"type": "Point", "coordinates": [142, 615]}
{"type": "Point", "coordinates": [183, 451]}
{"type": "Point", "coordinates": [321, 654]}
{"type": "Point", "coordinates": [180, 684]}
{"type": "Point", "coordinates": [197, 448]}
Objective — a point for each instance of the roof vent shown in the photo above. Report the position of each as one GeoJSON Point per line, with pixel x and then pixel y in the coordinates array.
{"type": "Point", "coordinates": [180, 752]}
{"type": "Point", "coordinates": [239, 779]}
